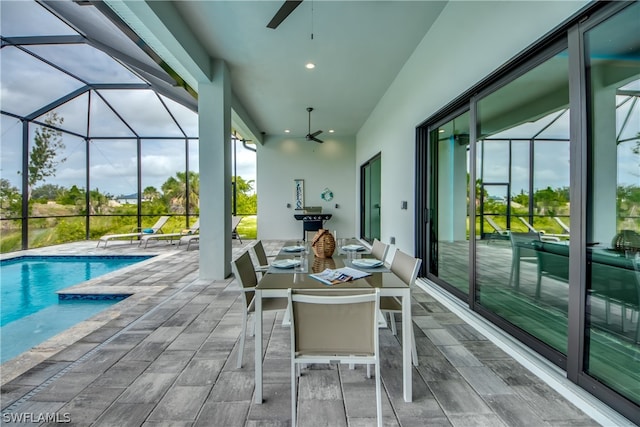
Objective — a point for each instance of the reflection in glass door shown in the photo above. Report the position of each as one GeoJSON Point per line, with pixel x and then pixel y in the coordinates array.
{"type": "Point", "coordinates": [612, 350]}
{"type": "Point", "coordinates": [449, 200]}
{"type": "Point", "coordinates": [523, 178]}
{"type": "Point", "coordinates": [371, 195]}
{"type": "Point", "coordinates": [495, 203]}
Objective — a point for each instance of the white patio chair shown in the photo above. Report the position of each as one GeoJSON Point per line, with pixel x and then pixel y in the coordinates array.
{"type": "Point", "coordinates": [170, 236]}
{"type": "Point", "coordinates": [140, 231]}
{"type": "Point", "coordinates": [334, 326]}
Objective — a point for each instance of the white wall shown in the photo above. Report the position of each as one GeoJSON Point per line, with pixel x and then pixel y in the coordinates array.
{"type": "Point", "coordinates": [328, 165]}
{"type": "Point", "coordinates": [469, 40]}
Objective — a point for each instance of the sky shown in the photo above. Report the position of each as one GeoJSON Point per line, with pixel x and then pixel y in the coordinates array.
{"type": "Point", "coordinates": [27, 84]}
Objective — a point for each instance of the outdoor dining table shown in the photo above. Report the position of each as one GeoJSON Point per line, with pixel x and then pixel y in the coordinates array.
{"type": "Point", "coordinates": [277, 285]}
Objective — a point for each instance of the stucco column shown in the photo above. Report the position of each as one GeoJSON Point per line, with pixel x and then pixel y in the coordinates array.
{"type": "Point", "coordinates": [605, 162]}
{"type": "Point", "coordinates": [214, 124]}
{"type": "Point", "coordinates": [452, 190]}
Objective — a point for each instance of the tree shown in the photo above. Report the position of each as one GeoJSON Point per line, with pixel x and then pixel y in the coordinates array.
{"type": "Point", "coordinates": [246, 199]}
{"type": "Point", "coordinates": [97, 201]}
{"type": "Point", "coordinates": [175, 192]}
{"type": "Point", "coordinates": [548, 200]}
{"type": "Point", "coordinates": [47, 192]}
{"type": "Point", "coordinates": [73, 196]}
{"type": "Point", "coordinates": [43, 160]}
{"type": "Point", "coordinates": [481, 193]}
{"type": "Point", "coordinates": [522, 199]}
{"type": "Point", "coordinates": [151, 193]}
{"type": "Point", "coordinates": [10, 200]}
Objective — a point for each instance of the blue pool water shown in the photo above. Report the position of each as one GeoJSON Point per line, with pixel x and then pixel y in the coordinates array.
{"type": "Point", "coordinates": [30, 310]}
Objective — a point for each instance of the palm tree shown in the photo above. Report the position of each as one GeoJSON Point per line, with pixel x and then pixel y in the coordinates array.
{"type": "Point", "coordinates": [175, 192]}
{"type": "Point", "coordinates": [151, 193]}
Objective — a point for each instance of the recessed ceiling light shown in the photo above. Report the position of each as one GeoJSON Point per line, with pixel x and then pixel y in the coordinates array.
{"type": "Point", "coordinates": [441, 131]}
{"type": "Point", "coordinates": [331, 131]}
{"type": "Point", "coordinates": [310, 65]}
{"type": "Point", "coordinates": [287, 131]}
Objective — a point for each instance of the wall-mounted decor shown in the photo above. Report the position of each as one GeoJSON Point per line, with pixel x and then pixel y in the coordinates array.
{"type": "Point", "coordinates": [327, 195]}
{"type": "Point", "coordinates": [298, 188]}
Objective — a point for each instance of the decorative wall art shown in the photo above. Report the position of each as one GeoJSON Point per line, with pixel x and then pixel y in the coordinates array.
{"type": "Point", "coordinates": [327, 195]}
{"type": "Point", "coordinates": [298, 197]}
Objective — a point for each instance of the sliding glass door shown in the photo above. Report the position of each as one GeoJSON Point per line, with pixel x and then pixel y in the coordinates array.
{"type": "Point", "coordinates": [522, 168]}
{"type": "Point", "coordinates": [534, 218]}
{"type": "Point", "coordinates": [612, 349]}
{"type": "Point", "coordinates": [449, 196]}
{"type": "Point", "coordinates": [370, 175]}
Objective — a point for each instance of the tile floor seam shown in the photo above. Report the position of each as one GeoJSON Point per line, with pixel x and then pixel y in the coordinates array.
{"type": "Point", "coordinates": [199, 413]}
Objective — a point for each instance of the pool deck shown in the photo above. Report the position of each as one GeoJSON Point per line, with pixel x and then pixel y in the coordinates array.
{"type": "Point", "coordinates": [166, 357]}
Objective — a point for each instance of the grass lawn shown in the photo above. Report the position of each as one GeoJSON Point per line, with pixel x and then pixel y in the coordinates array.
{"type": "Point", "coordinates": [248, 227]}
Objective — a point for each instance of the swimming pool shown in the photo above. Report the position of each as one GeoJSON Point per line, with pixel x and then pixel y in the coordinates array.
{"type": "Point", "coordinates": [31, 310]}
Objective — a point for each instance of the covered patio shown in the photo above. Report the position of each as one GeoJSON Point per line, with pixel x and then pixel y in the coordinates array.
{"type": "Point", "coordinates": [166, 356]}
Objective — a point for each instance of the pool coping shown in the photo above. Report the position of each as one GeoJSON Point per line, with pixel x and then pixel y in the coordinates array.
{"type": "Point", "coordinates": [20, 364]}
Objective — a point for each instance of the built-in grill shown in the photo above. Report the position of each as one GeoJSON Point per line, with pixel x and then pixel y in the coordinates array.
{"type": "Point", "coordinates": [312, 220]}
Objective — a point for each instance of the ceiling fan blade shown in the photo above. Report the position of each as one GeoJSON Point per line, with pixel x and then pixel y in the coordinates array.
{"type": "Point", "coordinates": [313, 138]}
{"type": "Point", "coordinates": [316, 133]}
{"type": "Point", "coordinates": [284, 11]}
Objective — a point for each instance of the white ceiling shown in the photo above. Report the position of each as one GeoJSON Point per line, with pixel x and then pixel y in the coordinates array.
{"type": "Point", "coordinates": [358, 48]}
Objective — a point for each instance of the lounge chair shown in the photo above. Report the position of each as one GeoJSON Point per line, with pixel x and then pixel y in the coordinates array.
{"type": "Point", "coordinates": [564, 226]}
{"type": "Point", "coordinates": [188, 239]}
{"type": "Point", "coordinates": [170, 236]}
{"type": "Point", "coordinates": [543, 237]}
{"type": "Point", "coordinates": [195, 238]}
{"type": "Point", "coordinates": [498, 232]}
{"type": "Point", "coordinates": [235, 220]}
{"type": "Point", "coordinates": [141, 231]}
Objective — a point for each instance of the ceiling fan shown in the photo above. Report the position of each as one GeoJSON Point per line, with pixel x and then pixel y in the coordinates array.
{"type": "Point", "coordinates": [285, 10]}
{"type": "Point", "coordinates": [312, 136]}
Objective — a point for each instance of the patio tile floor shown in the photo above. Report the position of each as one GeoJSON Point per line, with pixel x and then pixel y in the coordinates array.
{"type": "Point", "coordinates": [167, 357]}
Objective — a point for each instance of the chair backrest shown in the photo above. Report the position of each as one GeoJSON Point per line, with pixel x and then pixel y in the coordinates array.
{"type": "Point", "coordinates": [525, 243]}
{"type": "Point", "coordinates": [405, 266]}
{"type": "Point", "coordinates": [526, 224]}
{"type": "Point", "coordinates": [261, 256]}
{"type": "Point", "coordinates": [159, 223]}
{"type": "Point", "coordinates": [379, 250]}
{"type": "Point", "coordinates": [245, 274]}
{"type": "Point", "coordinates": [195, 226]}
{"type": "Point", "coordinates": [334, 323]}
{"type": "Point", "coordinates": [493, 224]}
{"type": "Point", "coordinates": [561, 223]}
{"type": "Point", "coordinates": [235, 220]}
